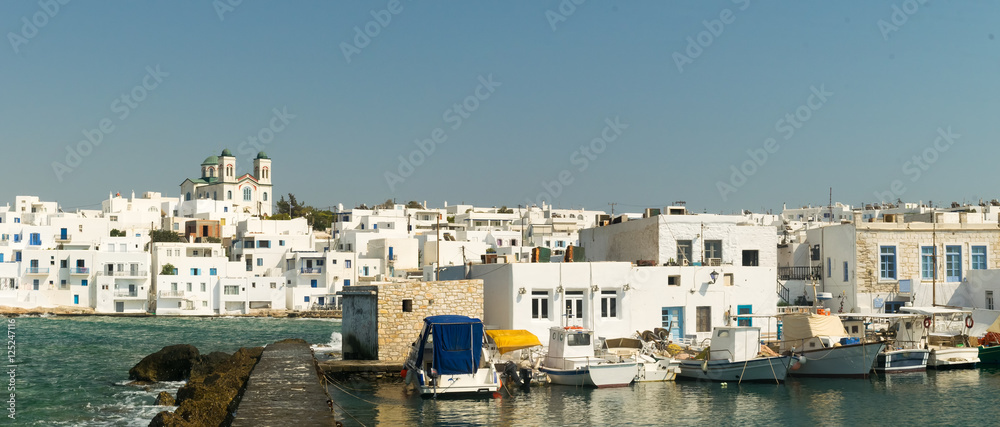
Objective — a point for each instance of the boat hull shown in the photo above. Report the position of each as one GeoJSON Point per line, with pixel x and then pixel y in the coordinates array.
{"type": "Point", "coordinates": [989, 355]}
{"type": "Point", "coordinates": [484, 382]}
{"type": "Point", "coordinates": [953, 358]}
{"type": "Point", "coordinates": [769, 369]}
{"type": "Point", "coordinates": [845, 361]}
{"type": "Point", "coordinates": [906, 360]}
{"type": "Point", "coordinates": [660, 370]}
{"type": "Point", "coordinates": [600, 376]}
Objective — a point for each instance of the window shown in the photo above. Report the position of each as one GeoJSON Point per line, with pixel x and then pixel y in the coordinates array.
{"type": "Point", "coordinates": [248, 244]}
{"type": "Point", "coordinates": [713, 251]}
{"type": "Point", "coordinates": [574, 304]}
{"type": "Point", "coordinates": [246, 194]}
{"type": "Point", "coordinates": [314, 283]}
{"type": "Point", "coordinates": [260, 262]}
{"type": "Point", "coordinates": [575, 340]}
{"type": "Point", "coordinates": [319, 263]}
{"type": "Point", "coordinates": [673, 280]}
{"type": "Point", "coordinates": [17, 256]}
{"type": "Point", "coordinates": [928, 264]}
{"type": "Point", "coordinates": [203, 287]}
{"type": "Point", "coordinates": [845, 271]}
{"type": "Point", "coordinates": [978, 258]}
{"type": "Point", "coordinates": [892, 306]}
{"type": "Point", "coordinates": [407, 305]}
{"type": "Point", "coordinates": [264, 244]}
{"type": "Point", "coordinates": [829, 268]}
{"type": "Point", "coordinates": [609, 304]}
{"type": "Point", "coordinates": [213, 272]}
{"type": "Point", "coordinates": [274, 285]}
{"type": "Point", "coordinates": [281, 243]}
{"type": "Point", "coordinates": [953, 263]}
{"type": "Point", "coordinates": [814, 253]}
{"type": "Point", "coordinates": [231, 290]}
{"type": "Point", "coordinates": [195, 272]}
{"type": "Point", "coordinates": [187, 197]}
{"type": "Point", "coordinates": [744, 321]}
{"type": "Point", "coordinates": [539, 304]}
{"type": "Point", "coordinates": [229, 195]}
{"type": "Point", "coordinates": [265, 196]}
{"type": "Point", "coordinates": [887, 262]}
{"type": "Point", "coordinates": [189, 287]}
{"type": "Point", "coordinates": [751, 258]}
{"type": "Point", "coordinates": [347, 263]}
{"type": "Point", "coordinates": [333, 262]}
{"type": "Point", "coordinates": [35, 239]}
{"type": "Point", "coordinates": [306, 299]}
{"type": "Point", "coordinates": [83, 282]}
{"type": "Point", "coordinates": [703, 319]}
{"type": "Point", "coordinates": [989, 300]}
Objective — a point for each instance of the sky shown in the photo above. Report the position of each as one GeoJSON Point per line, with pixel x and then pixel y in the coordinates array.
{"type": "Point", "coordinates": [723, 104]}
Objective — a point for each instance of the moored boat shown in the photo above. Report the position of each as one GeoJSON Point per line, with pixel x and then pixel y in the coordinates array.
{"type": "Point", "coordinates": [825, 349]}
{"type": "Point", "coordinates": [733, 356]}
{"type": "Point", "coordinates": [572, 360]}
{"type": "Point", "coordinates": [902, 334]}
{"type": "Point", "coordinates": [652, 366]}
{"type": "Point", "coordinates": [447, 358]}
{"type": "Point", "coordinates": [947, 337]}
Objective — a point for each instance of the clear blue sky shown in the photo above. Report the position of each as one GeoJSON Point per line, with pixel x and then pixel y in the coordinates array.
{"type": "Point", "coordinates": [606, 59]}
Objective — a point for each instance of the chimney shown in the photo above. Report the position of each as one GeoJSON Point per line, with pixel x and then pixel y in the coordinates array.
{"type": "Point", "coordinates": [963, 217]}
{"type": "Point", "coordinates": [857, 217]}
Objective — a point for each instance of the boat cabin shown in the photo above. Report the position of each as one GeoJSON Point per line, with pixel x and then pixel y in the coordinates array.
{"type": "Point", "coordinates": [735, 343]}
{"type": "Point", "coordinates": [570, 342]}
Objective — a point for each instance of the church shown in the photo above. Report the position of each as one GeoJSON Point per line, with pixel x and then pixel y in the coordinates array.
{"type": "Point", "coordinates": [250, 193]}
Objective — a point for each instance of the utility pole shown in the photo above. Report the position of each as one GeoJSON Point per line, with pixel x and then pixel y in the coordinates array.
{"type": "Point", "coordinates": [437, 264]}
{"type": "Point", "coordinates": [612, 210]}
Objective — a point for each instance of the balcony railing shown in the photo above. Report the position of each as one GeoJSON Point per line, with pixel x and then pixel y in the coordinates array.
{"type": "Point", "coordinates": [126, 294]}
{"type": "Point", "coordinates": [137, 273]}
{"type": "Point", "coordinates": [38, 270]}
{"type": "Point", "coordinates": [62, 238]}
{"type": "Point", "coordinates": [79, 270]}
{"type": "Point", "coordinates": [171, 294]}
{"type": "Point", "coordinates": [314, 270]}
{"type": "Point", "coordinates": [800, 273]}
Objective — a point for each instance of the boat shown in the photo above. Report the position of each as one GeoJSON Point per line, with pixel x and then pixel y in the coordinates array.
{"type": "Point", "coordinates": [947, 337]}
{"type": "Point", "coordinates": [733, 356]}
{"type": "Point", "coordinates": [447, 358]}
{"type": "Point", "coordinates": [572, 359]}
{"type": "Point", "coordinates": [902, 334]}
{"type": "Point", "coordinates": [989, 344]}
{"type": "Point", "coordinates": [653, 366]}
{"type": "Point", "coordinates": [824, 348]}
{"type": "Point", "coordinates": [501, 345]}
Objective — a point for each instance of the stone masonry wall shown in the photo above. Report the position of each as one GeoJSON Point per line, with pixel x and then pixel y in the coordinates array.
{"type": "Point", "coordinates": [398, 329]}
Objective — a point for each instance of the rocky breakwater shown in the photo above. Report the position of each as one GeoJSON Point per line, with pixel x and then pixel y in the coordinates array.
{"type": "Point", "coordinates": [215, 383]}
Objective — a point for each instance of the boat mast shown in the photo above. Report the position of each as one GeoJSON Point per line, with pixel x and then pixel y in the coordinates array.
{"type": "Point", "coordinates": [934, 259]}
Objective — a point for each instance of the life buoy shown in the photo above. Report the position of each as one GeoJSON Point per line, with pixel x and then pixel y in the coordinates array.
{"type": "Point", "coordinates": [969, 322]}
{"type": "Point", "coordinates": [573, 327]}
{"type": "Point", "coordinates": [927, 322]}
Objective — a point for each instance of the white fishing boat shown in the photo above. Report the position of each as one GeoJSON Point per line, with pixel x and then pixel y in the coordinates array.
{"type": "Point", "coordinates": [824, 348]}
{"type": "Point", "coordinates": [903, 334]}
{"type": "Point", "coordinates": [572, 359]}
{"type": "Point", "coordinates": [652, 366]}
{"type": "Point", "coordinates": [447, 358]}
{"type": "Point", "coordinates": [733, 356]}
{"type": "Point", "coordinates": [947, 337]}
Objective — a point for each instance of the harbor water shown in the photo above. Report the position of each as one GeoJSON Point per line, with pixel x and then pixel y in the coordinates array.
{"type": "Point", "coordinates": [74, 371]}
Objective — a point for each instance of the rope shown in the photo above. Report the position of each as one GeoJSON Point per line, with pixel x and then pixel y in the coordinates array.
{"type": "Point", "coordinates": [352, 395]}
{"type": "Point", "coordinates": [773, 374]}
{"type": "Point", "coordinates": [743, 372]}
{"type": "Point", "coordinates": [341, 407]}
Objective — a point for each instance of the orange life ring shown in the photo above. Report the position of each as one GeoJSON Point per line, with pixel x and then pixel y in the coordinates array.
{"type": "Point", "coordinates": [969, 322]}
{"type": "Point", "coordinates": [927, 322]}
{"type": "Point", "coordinates": [573, 327]}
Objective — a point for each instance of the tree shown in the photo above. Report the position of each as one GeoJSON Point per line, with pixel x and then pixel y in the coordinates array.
{"type": "Point", "coordinates": [504, 209]}
{"type": "Point", "coordinates": [164, 235]}
{"type": "Point", "coordinates": [167, 270]}
{"type": "Point", "coordinates": [280, 216]}
{"type": "Point", "coordinates": [413, 204]}
{"type": "Point", "coordinates": [117, 233]}
{"type": "Point", "coordinates": [387, 204]}
{"type": "Point", "coordinates": [322, 219]}
{"type": "Point", "coordinates": [283, 207]}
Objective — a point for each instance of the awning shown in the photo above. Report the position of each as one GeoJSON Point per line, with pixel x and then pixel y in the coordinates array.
{"type": "Point", "coordinates": [510, 340]}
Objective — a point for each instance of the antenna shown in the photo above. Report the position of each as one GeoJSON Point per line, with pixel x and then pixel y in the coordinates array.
{"type": "Point", "coordinates": [831, 204]}
{"type": "Point", "coordinates": [612, 209]}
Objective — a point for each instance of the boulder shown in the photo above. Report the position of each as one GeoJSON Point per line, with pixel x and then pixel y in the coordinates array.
{"type": "Point", "coordinates": [165, 399]}
{"type": "Point", "coordinates": [211, 395]}
{"type": "Point", "coordinates": [172, 363]}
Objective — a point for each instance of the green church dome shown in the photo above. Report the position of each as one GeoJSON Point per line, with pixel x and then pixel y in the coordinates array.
{"type": "Point", "coordinates": [262, 155]}
{"type": "Point", "coordinates": [211, 160]}
{"type": "Point", "coordinates": [226, 153]}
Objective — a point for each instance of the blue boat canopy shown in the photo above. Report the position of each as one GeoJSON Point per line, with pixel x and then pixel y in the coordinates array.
{"type": "Point", "coordinates": [458, 343]}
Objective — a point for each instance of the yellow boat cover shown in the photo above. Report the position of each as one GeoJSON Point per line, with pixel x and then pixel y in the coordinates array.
{"type": "Point", "coordinates": [510, 340]}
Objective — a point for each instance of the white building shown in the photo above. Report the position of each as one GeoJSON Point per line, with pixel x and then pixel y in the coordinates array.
{"type": "Point", "coordinates": [250, 193]}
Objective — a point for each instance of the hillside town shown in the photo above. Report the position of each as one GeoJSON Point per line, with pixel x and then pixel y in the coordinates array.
{"type": "Point", "coordinates": [220, 247]}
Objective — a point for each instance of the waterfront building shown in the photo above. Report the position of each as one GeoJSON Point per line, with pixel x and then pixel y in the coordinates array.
{"type": "Point", "coordinates": [186, 279]}
{"type": "Point", "coordinates": [248, 193]}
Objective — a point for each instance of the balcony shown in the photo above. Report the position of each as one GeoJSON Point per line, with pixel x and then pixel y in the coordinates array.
{"type": "Point", "coordinates": [136, 273]}
{"type": "Point", "coordinates": [171, 294]}
{"type": "Point", "coordinates": [37, 270]}
{"type": "Point", "coordinates": [62, 238]}
{"type": "Point", "coordinates": [79, 270]}
{"type": "Point", "coordinates": [127, 294]}
{"type": "Point", "coordinates": [314, 270]}
{"type": "Point", "coordinates": [800, 273]}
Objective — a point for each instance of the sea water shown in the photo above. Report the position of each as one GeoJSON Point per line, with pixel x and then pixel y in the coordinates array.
{"type": "Point", "coordinates": [74, 371]}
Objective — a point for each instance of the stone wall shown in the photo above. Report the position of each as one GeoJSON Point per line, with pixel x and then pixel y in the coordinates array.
{"type": "Point", "coordinates": [397, 329]}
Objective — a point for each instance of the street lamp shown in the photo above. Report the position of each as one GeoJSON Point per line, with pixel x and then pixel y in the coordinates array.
{"type": "Point", "coordinates": [714, 275]}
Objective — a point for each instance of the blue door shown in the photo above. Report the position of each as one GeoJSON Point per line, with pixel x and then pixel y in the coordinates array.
{"type": "Point", "coordinates": [744, 321]}
{"type": "Point", "coordinates": [673, 319]}
{"type": "Point", "coordinates": [953, 263]}
{"type": "Point", "coordinates": [347, 282]}
{"type": "Point", "coordinates": [76, 299]}
{"type": "Point", "coordinates": [366, 270]}
{"type": "Point", "coordinates": [390, 253]}
{"type": "Point", "coordinates": [62, 234]}
{"type": "Point", "coordinates": [321, 300]}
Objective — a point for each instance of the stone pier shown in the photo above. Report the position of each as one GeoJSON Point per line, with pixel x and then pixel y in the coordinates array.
{"type": "Point", "coordinates": [284, 389]}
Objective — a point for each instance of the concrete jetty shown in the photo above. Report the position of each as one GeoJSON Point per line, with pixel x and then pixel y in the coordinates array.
{"type": "Point", "coordinates": [284, 389]}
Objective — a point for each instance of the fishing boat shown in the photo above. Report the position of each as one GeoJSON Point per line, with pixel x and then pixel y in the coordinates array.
{"type": "Point", "coordinates": [572, 359]}
{"type": "Point", "coordinates": [947, 337]}
{"type": "Point", "coordinates": [733, 356]}
{"type": "Point", "coordinates": [653, 366]}
{"type": "Point", "coordinates": [989, 344]}
{"type": "Point", "coordinates": [824, 348]}
{"type": "Point", "coordinates": [447, 358]}
{"type": "Point", "coordinates": [902, 334]}
{"type": "Point", "coordinates": [514, 368]}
